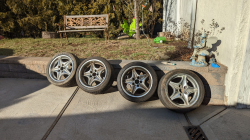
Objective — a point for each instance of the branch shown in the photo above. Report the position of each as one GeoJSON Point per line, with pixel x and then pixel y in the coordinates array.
{"type": "Point", "coordinates": [129, 5]}
{"type": "Point", "coordinates": [140, 2]}
{"type": "Point", "coordinates": [131, 9]}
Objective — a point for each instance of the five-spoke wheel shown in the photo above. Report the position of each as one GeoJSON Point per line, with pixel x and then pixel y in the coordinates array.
{"type": "Point", "coordinates": [94, 75]}
{"type": "Point", "coordinates": [181, 90]}
{"type": "Point", "coordinates": [137, 82]}
{"type": "Point", "coordinates": [61, 69]}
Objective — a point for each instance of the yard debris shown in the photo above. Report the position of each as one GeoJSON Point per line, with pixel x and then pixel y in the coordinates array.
{"type": "Point", "coordinates": [168, 63]}
{"type": "Point", "coordinates": [1, 37]}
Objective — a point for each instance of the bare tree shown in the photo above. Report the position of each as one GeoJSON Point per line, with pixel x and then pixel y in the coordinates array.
{"type": "Point", "coordinates": [135, 12]}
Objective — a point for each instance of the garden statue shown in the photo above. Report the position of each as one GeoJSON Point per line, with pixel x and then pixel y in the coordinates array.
{"type": "Point", "coordinates": [201, 51]}
{"type": "Point", "coordinates": [130, 31]}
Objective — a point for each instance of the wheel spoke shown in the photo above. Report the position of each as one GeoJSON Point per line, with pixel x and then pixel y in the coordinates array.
{"type": "Point", "coordinates": [174, 85]}
{"type": "Point", "coordinates": [143, 86]}
{"type": "Point", "coordinates": [183, 81]}
{"type": "Point", "coordinates": [134, 73]}
{"type": "Point", "coordinates": [175, 95]}
{"type": "Point", "coordinates": [191, 90]}
{"type": "Point", "coordinates": [100, 70]}
{"type": "Point", "coordinates": [87, 74]}
{"type": "Point", "coordinates": [55, 69]}
{"type": "Point", "coordinates": [143, 77]}
{"type": "Point", "coordinates": [185, 99]}
{"type": "Point", "coordinates": [59, 75]}
{"type": "Point", "coordinates": [91, 80]}
{"type": "Point", "coordinates": [129, 81]}
{"type": "Point", "coordinates": [66, 63]}
{"type": "Point", "coordinates": [65, 71]}
{"type": "Point", "coordinates": [92, 67]}
{"type": "Point", "coordinates": [59, 61]}
{"type": "Point", "coordinates": [98, 78]}
{"type": "Point", "coordinates": [134, 88]}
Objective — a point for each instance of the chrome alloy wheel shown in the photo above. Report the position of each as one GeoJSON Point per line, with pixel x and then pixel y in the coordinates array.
{"type": "Point", "coordinates": [136, 81]}
{"type": "Point", "coordinates": [182, 90]}
{"type": "Point", "coordinates": [61, 68]}
{"type": "Point", "coordinates": [92, 73]}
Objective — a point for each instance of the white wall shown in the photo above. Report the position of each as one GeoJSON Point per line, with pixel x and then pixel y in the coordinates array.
{"type": "Point", "coordinates": [176, 9]}
{"type": "Point", "coordinates": [234, 49]}
{"type": "Point", "coordinates": [234, 15]}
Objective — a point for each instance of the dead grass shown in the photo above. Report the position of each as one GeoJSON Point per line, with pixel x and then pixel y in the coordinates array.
{"type": "Point", "coordinates": [86, 47]}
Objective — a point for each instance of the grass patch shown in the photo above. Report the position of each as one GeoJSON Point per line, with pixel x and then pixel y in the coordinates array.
{"type": "Point", "coordinates": [88, 47]}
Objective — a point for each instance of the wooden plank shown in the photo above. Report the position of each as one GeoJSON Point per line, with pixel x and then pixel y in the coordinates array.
{"type": "Point", "coordinates": [83, 27]}
{"type": "Point", "coordinates": [80, 30]}
{"type": "Point", "coordinates": [76, 16]}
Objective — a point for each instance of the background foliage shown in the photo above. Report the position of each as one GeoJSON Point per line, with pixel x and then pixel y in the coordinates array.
{"type": "Point", "coordinates": [28, 18]}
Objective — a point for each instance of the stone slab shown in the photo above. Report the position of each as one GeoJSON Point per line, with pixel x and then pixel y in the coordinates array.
{"type": "Point", "coordinates": [214, 95]}
{"type": "Point", "coordinates": [222, 68]}
{"type": "Point", "coordinates": [29, 107]}
{"type": "Point", "coordinates": [110, 117]}
{"type": "Point", "coordinates": [17, 68]}
{"type": "Point", "coordinates": [4, 74]}
{"type": "Point", "coordinates": [157, 65]}
{"type": "Point", "coordinates": [231, 124]}
{"type": "Point", "coordinates": [36, 68]}
{"type": "Point", "coordinates": [4, 67]}
{"type": "Point", "coordinates": [22, 75]}
{"type": "Point", "coordinates": [203, 113]}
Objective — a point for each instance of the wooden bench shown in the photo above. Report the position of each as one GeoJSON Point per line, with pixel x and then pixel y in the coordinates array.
{"type": "Point", "coordinates": [84, 23]}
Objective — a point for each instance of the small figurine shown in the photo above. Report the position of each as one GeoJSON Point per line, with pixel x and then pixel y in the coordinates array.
{"type": "Point", "coordinates": [213, 63]}
{"type": "Point", "coordinates": [200, 51]}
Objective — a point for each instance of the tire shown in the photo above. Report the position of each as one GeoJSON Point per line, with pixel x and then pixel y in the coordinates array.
{"type": "Point", "coordinates": [145, 82]}
{"type": "Point", "coordinates": [56, 72]}
{"type": "Point", "coordinates": [173, 89]}
{"type": "Point", "coordinates": [95, 82]}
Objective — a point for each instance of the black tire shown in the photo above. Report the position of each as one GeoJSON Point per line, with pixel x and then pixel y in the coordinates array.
{"type": "Point", "coordinates": [106, 75]}
{"type": "Point", "coordinates": [147, 78]}
{"type": "Point", "coordinates": [69, 80]}
{"type": "Point", "coordinates": [164, 92]}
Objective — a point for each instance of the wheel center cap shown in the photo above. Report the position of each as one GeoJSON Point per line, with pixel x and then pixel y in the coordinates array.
{"type": "Point", "coordinates": [137, 81]}
{"type": "Point", "coordinates": [94, 74]}
{"type": "Point", "coordinates": [61, 68]}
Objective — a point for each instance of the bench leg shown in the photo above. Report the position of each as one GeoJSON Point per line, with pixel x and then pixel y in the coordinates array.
{"type": "Point", "coordinates": [66, 37]}
{"type": "Point", "coordinates": [108, 35]}
{"type": "Point", "coordinates": [61, 38]}
{"type": "Point", "coordinates": [105, 37]}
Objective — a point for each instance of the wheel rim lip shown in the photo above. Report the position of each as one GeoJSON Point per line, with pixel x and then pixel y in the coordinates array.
{"type": "Point", "coordinates": [194, 83]}
{"type": "Point", "coordinates": [80, 70]}
{"type": "Point", "coordinates": [151, 84]}
{"type": "Point", "coordinates": [51, 76]}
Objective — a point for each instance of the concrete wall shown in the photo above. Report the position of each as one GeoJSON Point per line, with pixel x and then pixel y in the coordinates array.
{"type": "Point", "coordinates": [176, 9]}
{"type": "Point", "coordinates": [233, 51]}
{"type": "Point", "coordinates": [233, 47]}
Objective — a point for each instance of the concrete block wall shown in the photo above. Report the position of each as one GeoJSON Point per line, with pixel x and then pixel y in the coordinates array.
{"type": "Point", "coordinates": [233, 49]}
{"type": "Point", "coordinates": [35, 68]}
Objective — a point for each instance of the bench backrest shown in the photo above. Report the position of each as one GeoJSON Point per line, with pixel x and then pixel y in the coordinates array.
{"type": "Point", "coordinates": [86, 21]}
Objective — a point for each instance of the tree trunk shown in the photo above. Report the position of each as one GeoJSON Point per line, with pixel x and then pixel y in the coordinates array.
{"type": "Point", "coordinates": [137, 28]}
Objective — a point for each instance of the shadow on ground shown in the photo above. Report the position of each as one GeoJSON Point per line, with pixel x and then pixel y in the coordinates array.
{"type": "Point", "coordinates": [6, 52]}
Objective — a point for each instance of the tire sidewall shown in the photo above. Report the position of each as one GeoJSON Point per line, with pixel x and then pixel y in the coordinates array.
{"type": "Point", "coordinates": [152, 90]}
{"type": "Point", "coordinates": [105, 84]}
{"type": "Point", "coordinates": [71, 77]}
{"type": "Point", "coordinates": [166, 101]}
